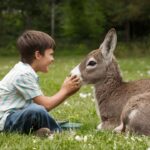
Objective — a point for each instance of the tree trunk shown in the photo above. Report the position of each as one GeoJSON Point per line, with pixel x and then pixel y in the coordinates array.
{"type": "Point", "coordinates": [53, 19]}
{"type": "Point", "coordinates": [127, 31]}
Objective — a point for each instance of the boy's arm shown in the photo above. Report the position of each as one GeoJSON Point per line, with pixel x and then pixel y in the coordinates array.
{"type": "Point", "coordinates": [69, 87]}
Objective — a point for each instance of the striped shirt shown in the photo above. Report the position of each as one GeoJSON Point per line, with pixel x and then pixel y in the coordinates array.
{"type": "Point", "coordinates": [17, 89]}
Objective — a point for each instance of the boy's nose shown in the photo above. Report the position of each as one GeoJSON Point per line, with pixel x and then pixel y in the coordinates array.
{"type": "Point", "coordinates": [52, 60]}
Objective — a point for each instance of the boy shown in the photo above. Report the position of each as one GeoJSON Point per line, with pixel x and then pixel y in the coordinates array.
{"type": "Point", "coordinates": [23, 107]}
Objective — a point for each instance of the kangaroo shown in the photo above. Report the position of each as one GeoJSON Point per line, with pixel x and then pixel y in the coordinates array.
{"type": "Point", "coordinates": [122, 106]}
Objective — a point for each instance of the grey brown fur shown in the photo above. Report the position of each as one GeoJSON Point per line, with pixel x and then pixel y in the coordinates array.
{"type": "Point", "coordinates": [123, 106]}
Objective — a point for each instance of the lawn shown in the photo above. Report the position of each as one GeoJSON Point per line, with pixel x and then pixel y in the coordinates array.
{"type": "Point", "coordinates": [78, 108]}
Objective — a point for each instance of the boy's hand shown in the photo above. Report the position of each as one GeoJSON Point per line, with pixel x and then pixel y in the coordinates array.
{"type": "Point", "coordinates": [71, 85]}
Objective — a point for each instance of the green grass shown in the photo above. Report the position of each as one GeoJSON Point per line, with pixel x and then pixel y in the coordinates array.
{"type": "Point", "coordinates": [77, 109]}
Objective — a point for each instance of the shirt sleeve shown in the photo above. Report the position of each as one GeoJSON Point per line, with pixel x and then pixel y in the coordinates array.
{"type": "Point", "coordinates": [27, 85]}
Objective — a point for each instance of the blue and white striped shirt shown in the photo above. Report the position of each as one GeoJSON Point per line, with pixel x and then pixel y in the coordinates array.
{"type": "Point", "coordinates": [17, 89]}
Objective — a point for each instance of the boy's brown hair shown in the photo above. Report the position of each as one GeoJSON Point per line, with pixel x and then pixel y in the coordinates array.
{"type": "Point", "coordinates": [31, 41]}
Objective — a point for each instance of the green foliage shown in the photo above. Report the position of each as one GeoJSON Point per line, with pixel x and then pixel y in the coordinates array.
{"type": "Point", "coordinates": [133, 49]}
{"type": "Point", "coordinates": [8, 50]}
{"type": "Point", "coordinates": [128, 16]}
{"type": "Point", "coordinates": [84, 20]}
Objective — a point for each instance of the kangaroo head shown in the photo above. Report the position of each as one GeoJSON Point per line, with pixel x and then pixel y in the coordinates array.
{"type": "Point", "coordinates": [94, 67]}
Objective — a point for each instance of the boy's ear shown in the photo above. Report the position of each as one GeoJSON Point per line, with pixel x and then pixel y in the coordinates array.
{"type": "Point", "coordinates": [37, 55]}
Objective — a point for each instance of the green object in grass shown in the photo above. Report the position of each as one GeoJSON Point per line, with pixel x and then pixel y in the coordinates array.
{"type": "Point", "coordinates": [69, 125]}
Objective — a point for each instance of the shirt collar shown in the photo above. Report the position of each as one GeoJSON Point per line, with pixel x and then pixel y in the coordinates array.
{"type": "Point", "coordinates": [24, 67]}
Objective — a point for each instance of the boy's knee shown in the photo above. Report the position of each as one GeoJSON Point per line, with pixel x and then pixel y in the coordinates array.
{"type": "Point", "coordinates": [36, 109]}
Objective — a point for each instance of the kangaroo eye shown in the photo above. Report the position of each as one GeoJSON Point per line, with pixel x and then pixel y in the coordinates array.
{"type": "Point", "coordinates": [91, 63]}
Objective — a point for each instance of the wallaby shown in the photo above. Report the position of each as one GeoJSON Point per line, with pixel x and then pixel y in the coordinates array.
{"type": "Point", "coordinates": [122, 106]}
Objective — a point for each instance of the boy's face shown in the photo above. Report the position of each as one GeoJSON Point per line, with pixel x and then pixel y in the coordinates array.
{"type": "Point", "coordinates": [43, 61]}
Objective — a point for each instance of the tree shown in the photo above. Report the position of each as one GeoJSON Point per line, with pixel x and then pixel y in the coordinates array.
{"type": "Point", "coordinates": [127, 14]}
{"type": "Point", "coordinates": [82, 20]}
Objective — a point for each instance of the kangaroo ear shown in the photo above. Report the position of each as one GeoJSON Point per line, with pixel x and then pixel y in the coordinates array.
{"type": "Point", "coordinates": [109, 44]}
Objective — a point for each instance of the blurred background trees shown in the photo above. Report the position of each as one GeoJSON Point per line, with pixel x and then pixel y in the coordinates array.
{"type": "Point", "coordinates": [75, 22]}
